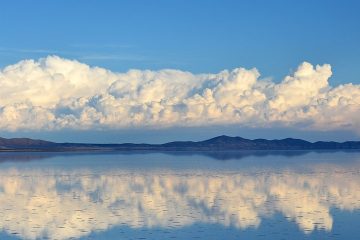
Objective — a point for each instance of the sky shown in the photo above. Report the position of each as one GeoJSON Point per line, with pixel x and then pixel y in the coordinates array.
{"type": "Point", "coordinates": [141, 71]}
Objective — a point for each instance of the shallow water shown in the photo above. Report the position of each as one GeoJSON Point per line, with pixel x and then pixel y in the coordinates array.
{"type": "Point", "coordinates": [248, 195]}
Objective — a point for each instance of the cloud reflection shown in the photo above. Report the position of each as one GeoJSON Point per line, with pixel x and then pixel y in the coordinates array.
{"type": "Point", "coordinates": [60, 204]}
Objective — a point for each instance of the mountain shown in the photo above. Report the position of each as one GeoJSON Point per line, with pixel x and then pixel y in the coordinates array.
{"type": "Point", "coordinates": [15, 143]}
{"type": "Point", "coordinates": [238, 143]}
{"type": "Point", "coordinates": [220, 143]}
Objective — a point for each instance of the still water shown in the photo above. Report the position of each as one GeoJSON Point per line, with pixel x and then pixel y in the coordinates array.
{"type": "Point", "coordinates": [247, 195]}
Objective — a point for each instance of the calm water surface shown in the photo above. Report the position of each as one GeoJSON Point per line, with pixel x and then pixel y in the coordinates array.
{"type": "Point", "coordinates": [282, 195]}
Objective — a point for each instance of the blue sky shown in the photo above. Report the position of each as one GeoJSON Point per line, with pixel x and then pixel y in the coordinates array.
{"type": "Point", "coordinates": [197, 36]}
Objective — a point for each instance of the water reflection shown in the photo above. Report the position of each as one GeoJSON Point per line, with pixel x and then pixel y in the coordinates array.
{"type": "Point", "coordinates": [218, 155]}
{"type": "Point", "coordinates": [65, 203]}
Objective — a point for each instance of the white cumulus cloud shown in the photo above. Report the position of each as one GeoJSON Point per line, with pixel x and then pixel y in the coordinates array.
{"type": "Point", "coordinates": [56, 93]}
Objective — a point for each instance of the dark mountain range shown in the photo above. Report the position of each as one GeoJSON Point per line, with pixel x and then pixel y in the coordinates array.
{"type": "Point", "coordinates": [23, 143]}
{"type": "Point", "coordinates": [220, 143]}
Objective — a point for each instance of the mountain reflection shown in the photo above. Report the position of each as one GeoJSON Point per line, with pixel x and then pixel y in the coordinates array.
{"type": "Point", "coordinates": [60, 204]}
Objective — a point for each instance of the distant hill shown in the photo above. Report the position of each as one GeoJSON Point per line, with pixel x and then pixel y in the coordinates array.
{"type": "Point", "coordinates": [220, 143]}
{"type": "Point", "coordinates": [238, 143]}
{"type": "Point", "coordinates": [17, 143]}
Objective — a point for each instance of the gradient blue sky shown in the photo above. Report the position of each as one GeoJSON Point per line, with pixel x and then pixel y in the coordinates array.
{"type": "Point", "coordinates": [197, 36]}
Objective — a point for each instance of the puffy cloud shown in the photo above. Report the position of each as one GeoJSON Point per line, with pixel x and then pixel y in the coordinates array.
{"type": "Point", "coordinates": [56, 93]}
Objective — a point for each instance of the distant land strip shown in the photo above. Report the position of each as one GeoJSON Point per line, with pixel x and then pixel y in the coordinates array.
{"type": "Point", "coordinates": [220, 143]}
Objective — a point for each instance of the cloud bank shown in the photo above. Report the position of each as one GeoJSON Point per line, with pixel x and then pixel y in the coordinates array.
{"type": "Point", "coordinates": [54, 93]}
